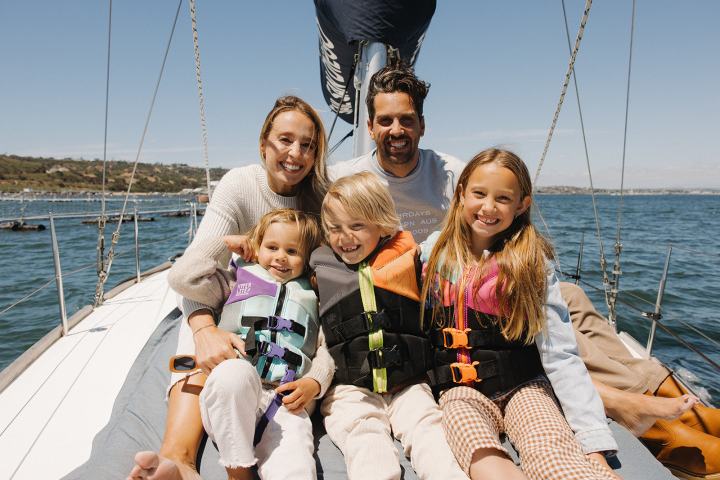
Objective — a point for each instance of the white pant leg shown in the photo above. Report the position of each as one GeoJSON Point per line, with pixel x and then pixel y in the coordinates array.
{"type": "Point", "coordinates": [416, 421]}
{"type": "Point", "coordinates": [287, 446]}
{"type": "Point", "coordinates": [357, 422]}
{"type": "Point", "coordinates": [229, 405]}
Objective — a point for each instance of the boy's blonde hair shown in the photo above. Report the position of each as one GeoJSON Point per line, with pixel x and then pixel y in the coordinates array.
{"type": "Point", "coordinates": [363, 195]}
{"type": "Point", "coordinates": [307, 224]}
{"type": "Point", "coordinates": [520, 253]}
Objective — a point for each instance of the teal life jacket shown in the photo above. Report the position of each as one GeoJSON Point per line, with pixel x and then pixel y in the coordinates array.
{"type": "Point", "coordinates": [278, 322]}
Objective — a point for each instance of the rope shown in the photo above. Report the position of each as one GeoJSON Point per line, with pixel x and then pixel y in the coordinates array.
{"type": "Point", "coordinates": [198, 77]}
{"type": "Point", "coordinates": [116, 234]}
{"type": "Point", "coordinates": [571, 66]}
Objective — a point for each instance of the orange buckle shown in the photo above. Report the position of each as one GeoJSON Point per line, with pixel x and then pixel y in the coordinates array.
{"type": "Point", "coordinates": [455, 338]}
{"type": "Point", "coordinates": [464, 372]}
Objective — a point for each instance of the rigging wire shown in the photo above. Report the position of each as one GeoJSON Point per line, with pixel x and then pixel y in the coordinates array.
{"type": "Point", "coordinates": [102, 219]}
{"type": "Point", "coordinates": [618, 244]}
{"type": "Point", "coordinates": [116, 234]}
{"type": "Point", "coordinates": [598, 230]}
{"type": "Point", "coordinates": [198, 77]}
{"type": "Point", "coordinates": [340, 142]}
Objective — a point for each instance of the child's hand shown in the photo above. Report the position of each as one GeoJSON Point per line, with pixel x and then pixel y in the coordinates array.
{"type": "Point", "coordinates": [600, 458]}
{"type": "Point", "coordinates": [304, 390]}
{"type": "Point", "coordinates": [241, 245]}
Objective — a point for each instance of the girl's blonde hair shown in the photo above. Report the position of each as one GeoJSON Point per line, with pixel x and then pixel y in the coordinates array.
{"type": "Point", "coordinates": [363, 195]}
{"type": "Point", "coordinates": [307, 225]}
{"type": "Point", "coordinates": [312, 188]}
{"type": "Point", "coordinates": [520, 253]}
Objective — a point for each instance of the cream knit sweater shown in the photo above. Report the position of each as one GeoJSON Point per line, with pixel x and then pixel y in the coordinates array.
{"type": "Point", "coordinates": [201, 275]}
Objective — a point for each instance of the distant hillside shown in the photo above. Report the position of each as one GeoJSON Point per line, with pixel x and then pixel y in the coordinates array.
{"type": "Point", "coordinates": [52, 175]}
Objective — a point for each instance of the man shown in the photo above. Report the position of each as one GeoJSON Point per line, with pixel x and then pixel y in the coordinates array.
{"type": "Point", "coordinates": [421, 181]}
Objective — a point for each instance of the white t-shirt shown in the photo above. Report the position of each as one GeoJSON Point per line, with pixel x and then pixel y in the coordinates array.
{"type": "Point", "coordinates": [422, 197]}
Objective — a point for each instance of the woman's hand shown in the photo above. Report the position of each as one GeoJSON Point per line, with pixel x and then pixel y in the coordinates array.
{"type": "Point", "coordinates": [213, 345]}
{"type": "Point", "coordinates": [303, 391]}
{"type": "Point", "coordinates": [240, 244]}
{"type": "Point", "coordinates": [600, 458]}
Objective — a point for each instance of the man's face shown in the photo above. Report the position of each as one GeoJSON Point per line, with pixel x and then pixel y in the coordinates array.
{"type": "Point", "coordinates": [396, 129]}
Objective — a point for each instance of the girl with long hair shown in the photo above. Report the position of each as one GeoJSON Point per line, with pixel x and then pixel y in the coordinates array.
{"type": "Point", "coordinates": [502, 336]}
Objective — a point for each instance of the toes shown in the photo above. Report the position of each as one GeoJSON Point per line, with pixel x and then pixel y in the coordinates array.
{"type": "Point", "coordinates": [147, 460]}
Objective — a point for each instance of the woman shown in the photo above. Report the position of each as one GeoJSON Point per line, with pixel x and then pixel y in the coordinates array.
{"type": "Point", "coordinates": [291, 175]}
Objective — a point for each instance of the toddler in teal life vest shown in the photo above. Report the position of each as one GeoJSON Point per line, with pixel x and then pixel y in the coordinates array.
{"type": "Point", "coordinates": [367, 280]}
{"type": "Point", "coordinates": [255, 407]}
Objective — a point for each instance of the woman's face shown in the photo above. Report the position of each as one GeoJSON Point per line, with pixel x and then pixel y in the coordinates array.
{"type": "Point", "coordinates": [289, 151]}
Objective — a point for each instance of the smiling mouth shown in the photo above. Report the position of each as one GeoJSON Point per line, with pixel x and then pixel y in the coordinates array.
{"type": "Point", "coordinates": [350, 249]}
{"type": "Point", "coordinates": [398, 144]}
{"type": "Point", "coordinates": [291, 167]}
{"type": "Point", "coordinates": [280, 269]}
{"type": "Point", "coordinates": [488, 221]}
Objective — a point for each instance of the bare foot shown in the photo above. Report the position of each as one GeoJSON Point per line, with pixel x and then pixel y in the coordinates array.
{"type": "Point", "coordinates": [151, 466]}
{"type": "Point", "coordinates": [638, 412]}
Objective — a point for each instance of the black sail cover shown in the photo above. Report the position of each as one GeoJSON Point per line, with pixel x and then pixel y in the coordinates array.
{"type": "Point", "coordinates": [342, 24]}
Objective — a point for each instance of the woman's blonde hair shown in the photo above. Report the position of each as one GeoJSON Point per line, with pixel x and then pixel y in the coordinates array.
{"type": "Point", "coordinates": [520, 253]}
{"type": "Point", "coordinates": [363, 195]}
{"type": "Point", "coordinates": [308, 228]}
{"type": "Point", "coordinates": [312, 188]}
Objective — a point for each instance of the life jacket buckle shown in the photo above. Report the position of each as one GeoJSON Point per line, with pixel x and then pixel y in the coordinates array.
{"type": "Point", "coordinates": [455, 338]}
{"type": "Point", "coordinates": [464, 372]}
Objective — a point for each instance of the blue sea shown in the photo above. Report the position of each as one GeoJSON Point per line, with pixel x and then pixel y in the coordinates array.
{"type": "Point", "coordinates": [650, 225]}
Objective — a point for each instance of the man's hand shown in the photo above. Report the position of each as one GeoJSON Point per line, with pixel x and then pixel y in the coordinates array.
{"type": "Point", "coordinates": [600, 458]}
{"type": "Point", "coordinates": [241, 245]}
{"type": "Point", "coordinates": [303, 391]}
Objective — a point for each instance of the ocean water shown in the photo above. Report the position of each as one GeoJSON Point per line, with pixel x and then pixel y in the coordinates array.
{"type": "Point", "coordinates": [650, 225]}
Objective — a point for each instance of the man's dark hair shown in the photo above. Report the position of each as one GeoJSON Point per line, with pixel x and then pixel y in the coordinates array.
{"type": "Point", "coordinates": [399, 77]}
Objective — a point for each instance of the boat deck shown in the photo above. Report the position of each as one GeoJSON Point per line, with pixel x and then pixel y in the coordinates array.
{"type": "Point", "coordinates": [50, 414]}
{"type": "Point", "coordinates": [96, 397]}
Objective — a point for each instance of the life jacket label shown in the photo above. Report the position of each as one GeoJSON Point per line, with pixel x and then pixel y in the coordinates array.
{"type": "Point", "coordinates": [248, 285]}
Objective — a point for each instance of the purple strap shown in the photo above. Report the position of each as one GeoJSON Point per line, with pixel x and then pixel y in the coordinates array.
{"type": "Point", "coordinates": [272, 408]}
{"type": "Point", "coordinates": [279, 323]}
{"type": "Point", "coordinates": [272, 349]}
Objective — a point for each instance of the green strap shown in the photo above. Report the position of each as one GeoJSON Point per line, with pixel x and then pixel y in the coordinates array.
{"type": "Point", "coordinates": [375, 338]}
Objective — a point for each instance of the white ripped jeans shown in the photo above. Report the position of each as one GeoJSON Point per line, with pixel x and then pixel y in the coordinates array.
{"type": "Point", "coordinates": [231, 403]}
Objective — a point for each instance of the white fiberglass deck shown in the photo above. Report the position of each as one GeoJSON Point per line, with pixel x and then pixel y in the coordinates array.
{"type": "Point", "coordinates": [66, 396]}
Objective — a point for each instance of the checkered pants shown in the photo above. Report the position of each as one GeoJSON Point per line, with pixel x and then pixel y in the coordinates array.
{"type": "Point", "coordinates": [532, 421]}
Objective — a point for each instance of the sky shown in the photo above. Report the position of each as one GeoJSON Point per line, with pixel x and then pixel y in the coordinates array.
{"type": "Point", "coordinates": [496, 70]}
